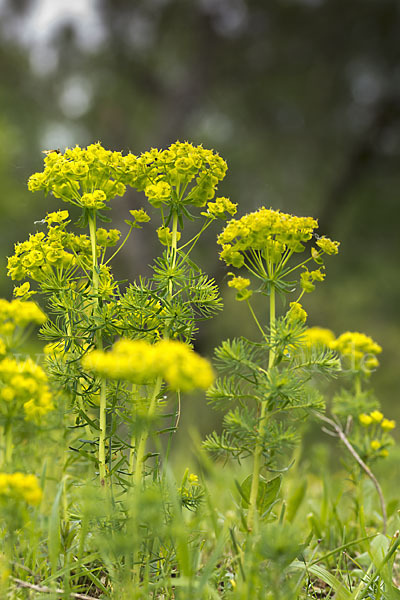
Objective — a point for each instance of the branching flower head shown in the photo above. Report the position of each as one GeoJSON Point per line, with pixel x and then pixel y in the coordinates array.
{"type": "Point", "coordinates": [87, 177]}
{"type": "Point", "coordinates": [264, 241]}
{"type": "Point", "coordinates": [181, 175]}
{"type": "Point", "coordinates": [45, 256]}
{"type": "Point", "coordinates": [328, 246]}
{"type": "Point", "coordinates": [269, 231]}
{"type": "Point", "coordinates": [38, 256]}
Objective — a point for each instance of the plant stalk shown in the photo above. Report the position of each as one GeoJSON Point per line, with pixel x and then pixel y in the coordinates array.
{"type": "Point", "coordinates": [141, 446]}
{"type": "Point", "coordinates": [262, 422]}
{"type": "Point", "coordinates": [99, 346]}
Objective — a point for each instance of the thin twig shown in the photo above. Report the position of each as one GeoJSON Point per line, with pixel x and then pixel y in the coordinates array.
{"type": "Point", "coordinates": [47, 590]}
{"type": "Point", "coordinates": [360, 461]}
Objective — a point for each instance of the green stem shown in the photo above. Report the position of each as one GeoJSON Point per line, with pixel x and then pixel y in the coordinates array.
{"type": "Point", "coordinates": [288, 271]}
{"type": "Point", "coordinates": [171, 433]}
{"type": "Point", "coordinates": [262, 422]}
{"type": "Point", "coordinates": [141, 446]}
{"type": "Point", "coordinates": [121, 245]}
{"type": "Point", "coordinates": [256, 320]}
{"type": "Point", "coordinates": [174, 241]}
{"type": "Point", "coordinates": [9, 444]}
{"type": "Point", "coordinates": [99, 346]}
{"type": "Point", "coordinates": [173, 252]}
{"type": "Point", "coordinates": [194, 239]}
{"type": "Point", "coordinates": [95, 266]}
{"type": "Point", "coordinates": [357, 385]}
{"type": "Point", "coordinates": [102, 433]}
{"type": "Point", "coordinates": [133, 438]}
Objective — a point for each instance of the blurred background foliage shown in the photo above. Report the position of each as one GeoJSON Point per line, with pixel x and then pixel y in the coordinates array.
{"type": "Point", "coordinates": [301, 97]}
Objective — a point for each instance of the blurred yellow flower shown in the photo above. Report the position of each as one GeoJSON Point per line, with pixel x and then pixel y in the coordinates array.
{"type": "Point", "coordinates": [388, 424]}
{"type": "Point", "coordinates": [318, 336]}
{"type": "Point", "coordinates": [376, 416]}
{"type": "Point", "coordinates": [365, 420]}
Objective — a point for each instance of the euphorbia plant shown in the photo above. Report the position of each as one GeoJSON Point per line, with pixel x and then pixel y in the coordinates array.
{"type": "Point", "coordinates": [88, 309]}
{"type": "Point", "coordinates": [269, 379]}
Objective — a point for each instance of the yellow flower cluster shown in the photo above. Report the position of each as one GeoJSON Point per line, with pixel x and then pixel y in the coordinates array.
{"type": "Point", "coordinates": [377, 417]}
{"type": "Point", "coordinates": [328, 246]}
{"type": "Point", "coordinates": [297, 312]}
{"type": "Point", "coordinates": [219, 208]}
{"type": "Point", "coordinates": [193, 479]}
{"type": "Point", "coordinates": [267, 230]}
{"type": "Point", "coordinates": [23, 291]}
{"type": "Point", "coordinates": [107, 238]}
{"type": "Point", "coordinates": [15, 487]}
{"type": "Point", "coordinates": [358, 349]}
{"type": "Point", "coordinates": [90, 177]}
{"type": "Point", "coordinates": [240, 284]}
{"type": "Point", "coordinates": [378, 429]}
{"type": "Point", "coordinates": [43, 254]}
{"type": "Point", "coordinates": [318, 336]}
{"type": "Point", "coordinates": [37, 256]}
{"type": "Point", "coordinates": [307, 279]}
{"type": "Point", "coordinates": [23, 384]}
{"type": "Point", "coordinates": [140, 215]}
{"type": "Point", "coordinates": [140, 362]}
{"type": "Point", "coordinates": [95, 200]}
{"type": "Point", "coordinates": [87, 177]}
{"type": "Point", "coordinates": [162, 174]}
{"type": "Point", "coordinates": [376, 445]}
{"type": "Point", "coordinates": [165, 235]}
{"type": "Point", "coordinates": [16, 314]}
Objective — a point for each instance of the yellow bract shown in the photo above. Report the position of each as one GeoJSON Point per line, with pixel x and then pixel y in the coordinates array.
{"type": "Point", "coordinates": [86, 177]}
